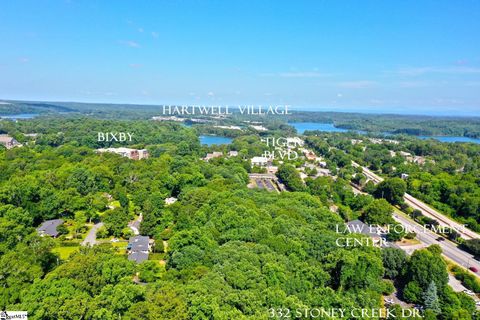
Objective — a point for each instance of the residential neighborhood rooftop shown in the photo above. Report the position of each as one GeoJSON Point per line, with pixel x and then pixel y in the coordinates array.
{"type": "Point", "coordinates": [357, 226]}
{"type": "Point", "coordinates": [138, 256]}
{"type": "Point", "coordinates": [138, 248]}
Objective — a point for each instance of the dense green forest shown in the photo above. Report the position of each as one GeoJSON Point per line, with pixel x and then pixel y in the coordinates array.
{"type": "Point", "coordinates": [375, 123]}
{"type": "Point", "coordinates": [222, 251]}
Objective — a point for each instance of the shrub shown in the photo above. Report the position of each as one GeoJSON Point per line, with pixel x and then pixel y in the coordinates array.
{"type": "Point", "coordinates": [467, 279]}
{"type": "Point", "coordinates": [102, 233]}
{"type": "Point", "coordinates": [410, 235]}
{"type": "Point", "coordinates": [412, 292]}
{"type": "Point", "coordinates": [159, 247]}
{"type": "Point", "coordinates": [388, 288]}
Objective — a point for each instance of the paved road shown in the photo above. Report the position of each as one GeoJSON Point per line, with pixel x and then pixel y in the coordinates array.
{"type": "Point", "coordinates": [427, 238]}
{"type": "Point", "coordinates": [450, 250]}
{"type": "Point", "coordinates": [91, 238]}
{"type": "Point", "coordinates": [425, 209]}
{"type": "Point", "coordinates": [443, 220]}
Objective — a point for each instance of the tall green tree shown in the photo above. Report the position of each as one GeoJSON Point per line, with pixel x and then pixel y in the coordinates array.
{"type": "Point", "coordinates": [290, 177]}
{"type": "Point", "coordinates": [430, 298]}
{"type": "Point", "coordinates": [426, 266]}
{"type": "Point", "coordinates": [394, 260]}
{"type": "Point", "coordinates": [378, 212]}
{"type": "Point", "coordinates": [392, 190]}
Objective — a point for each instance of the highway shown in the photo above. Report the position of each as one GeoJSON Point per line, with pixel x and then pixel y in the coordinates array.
{"type": "Point", "coordinates": [425, 209]}
{"type": "Point", "coordinates": [450, 250]}
{"type": "Point", "coordinates": [427, 237]}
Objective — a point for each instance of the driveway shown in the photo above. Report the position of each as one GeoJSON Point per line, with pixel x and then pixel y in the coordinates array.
{"type": "Point", "coordinates": [135, 225]}
{"type": "Point", "coordinates": [91, 238]}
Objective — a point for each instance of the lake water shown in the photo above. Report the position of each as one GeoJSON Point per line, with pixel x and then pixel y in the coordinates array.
{"type": "Point", "coordinates": [329, 127]}
{"type": "Point", "coordinates": [18, 116]}
{"type": "Point", "coordinates": [451, 139]}
{"type": "Point", "coordinates": [210, 140]}
{"type": "Point", "coordinates": [311, 126]}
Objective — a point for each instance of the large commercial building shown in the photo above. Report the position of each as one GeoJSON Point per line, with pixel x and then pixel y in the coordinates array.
{"type": "Point", "coordinates": [134, 154]}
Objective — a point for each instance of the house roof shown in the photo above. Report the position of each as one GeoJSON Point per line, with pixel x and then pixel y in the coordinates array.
{"type": "Point", "coordinates": [5, 138]}
{"type": "Point", "coordinates": [50, 227]}
{"type": "Point", "coordinates": [121, 149]}
{"type": "Point", "coordinates": [215, 154]}
{"type": "Point", "coordinates": [138, 256]}
{"type": "Point", "coordinates": [138, 243]}
{"type": "Point", "coordinates": [357, 226]}
{"type": "Point", "coordinates": [259, 160]}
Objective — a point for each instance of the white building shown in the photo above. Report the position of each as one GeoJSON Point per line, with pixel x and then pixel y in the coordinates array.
{"type": "Point", "coordinates": [228, 127]}
{"type": "Point", "coordinates": [272, 169]}
{"type": "Point", "coordinates": [134, 154]}
{"type": "Point", "coordinates": [405, 154]}
{"type": "Point", "coordinates": [143, 154]}
{"type": "Point", "coordinates": [259, 128]}
{"type": "Point", "coordinates": [9, 142]}
{"type": "Point", "coordinates": [172, 118]}
{"type": "Point", "coordinates": [170, 201]}
{"type": "Point", "coordinates": [259, 161]}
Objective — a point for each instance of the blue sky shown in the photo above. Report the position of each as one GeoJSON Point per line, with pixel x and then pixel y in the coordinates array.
{"type": "Point", "coordinates": [387, 56]}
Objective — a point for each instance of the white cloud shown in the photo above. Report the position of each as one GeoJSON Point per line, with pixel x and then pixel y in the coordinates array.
{"type": "Point", "coordinates": [155, 34]}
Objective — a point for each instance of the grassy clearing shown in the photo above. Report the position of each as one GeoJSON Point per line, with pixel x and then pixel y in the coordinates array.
{"type": "Point", "coordinates": [65, 252]}
{"type": "Point", "coordinates": [121, 246]}
{"type": "Point", "coordinates": [156, 256]}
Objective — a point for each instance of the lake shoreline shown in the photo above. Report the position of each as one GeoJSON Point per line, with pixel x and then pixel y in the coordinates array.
{"type": "Point", "coordinates": [301, 127]}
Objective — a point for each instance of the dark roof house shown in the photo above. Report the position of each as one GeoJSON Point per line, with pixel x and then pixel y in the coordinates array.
{"type": "Point", "coordinates": [374, 232]}
{"type": "Point", "coordinates": [138, 248]}
{"type": "Point", "coordinates": [357, 226]}
{"type": "Point", "coordinates": [138, 256]}
{"type": "Point", "coordinates": [49, 227]}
